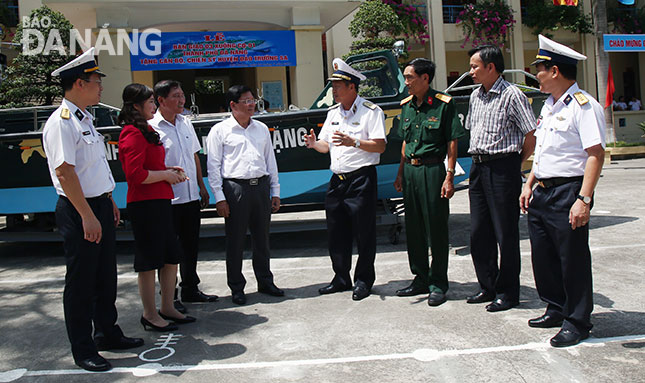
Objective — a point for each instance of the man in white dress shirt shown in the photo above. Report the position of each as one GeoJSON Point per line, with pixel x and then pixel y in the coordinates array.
{"type": "Point", "coordinates": [569, 155]}
{"type": "Point", "coordinates": [354, 136]}
{"type": "Point", "coordinates": [180, 142]}
{"type": "Point", "coordinates": [243, 175]}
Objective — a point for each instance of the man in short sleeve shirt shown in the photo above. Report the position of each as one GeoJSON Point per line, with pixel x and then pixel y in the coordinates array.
{"type": "Point", "coordinates": [568, 160]}
{"type": "Point", "coordinates": [354, 136]}
{"type": "Point", "coordinates": [501, 125]}
{"type": "Point", "coordinates": [86, 216]}
{"type": "Point", "coordinates": [430, 129]}
{"type": "Point", "coordinates": [180, 142]}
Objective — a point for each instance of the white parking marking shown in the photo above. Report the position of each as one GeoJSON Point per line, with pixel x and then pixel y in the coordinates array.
{"type": "Point", "coordinates": [422, 355]}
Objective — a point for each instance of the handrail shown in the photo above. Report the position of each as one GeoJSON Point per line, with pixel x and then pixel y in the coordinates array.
{"type": "Point", "coordinates": [454, 87]}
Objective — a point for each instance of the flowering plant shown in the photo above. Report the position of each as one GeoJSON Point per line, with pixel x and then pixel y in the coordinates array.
{"type": "Point", "coordinates": [487, 22]}
{"type": "Point", "coordinates": [414, 23]}
{"type": "Point", "coordinates": [626, 20]}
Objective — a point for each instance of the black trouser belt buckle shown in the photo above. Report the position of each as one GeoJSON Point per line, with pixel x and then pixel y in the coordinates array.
{"type": "Point", "coordinates": [557, 181]}
{"type": "Point", "coordinates": [254, 181]}
{"type": "Point", "coordinates": [479, 158]}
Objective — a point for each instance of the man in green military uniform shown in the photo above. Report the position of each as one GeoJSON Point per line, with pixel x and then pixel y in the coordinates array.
{"type": "Point", "coordinates": [430, 128]}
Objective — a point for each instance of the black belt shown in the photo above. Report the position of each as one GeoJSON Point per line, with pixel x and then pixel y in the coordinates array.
{"type": "Point", "coordinates": [557, 181]}
{"type": "Point", "coordinates": [247, 181]}
{"type": "Point", "coordinates": [346, 176]}
{"type": "Point", "coordinates": [418, 161]}
{"type": "Point", "coordinates": [104, 195]}
{"type": "Point", "coordinates": [479, 158]}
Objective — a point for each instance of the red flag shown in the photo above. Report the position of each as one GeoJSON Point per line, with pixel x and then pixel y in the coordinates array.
{"type": "Point", "coordinates": [611, 88]}
{"type": "Point", "coordinates": [565, 2]}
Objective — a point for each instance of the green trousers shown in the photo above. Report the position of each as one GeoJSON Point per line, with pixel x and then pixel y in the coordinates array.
{"type": "Point", "coordinates": [426, 224]}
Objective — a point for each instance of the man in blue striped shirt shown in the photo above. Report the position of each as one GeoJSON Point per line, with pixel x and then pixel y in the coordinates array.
{"type": "Point", "coordinates": [501, 125]}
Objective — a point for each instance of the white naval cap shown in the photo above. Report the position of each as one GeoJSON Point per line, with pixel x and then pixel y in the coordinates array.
{"type": "Point", "coordinates": [554, 52]}
{"type": "Point", "coordinates": [84, 63]}
{"type": "Point", "coordinates": [342, 71]}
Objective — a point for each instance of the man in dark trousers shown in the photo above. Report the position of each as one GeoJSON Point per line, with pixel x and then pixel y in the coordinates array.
{"type": "Point", "coordinates": [86, 216]}
{"type": "Point", "coordinates": [243, 175]}
{"type": "Point", "coordinates": [180, 142]}
{"type": "Point", "coordinates": [568, 159]}
{"type": "Point", "coordinates": [501, 125]}
{"type": "Point", "coordinates": [430, 129]}
{"type": "Point", "coordinates": [354, 136]}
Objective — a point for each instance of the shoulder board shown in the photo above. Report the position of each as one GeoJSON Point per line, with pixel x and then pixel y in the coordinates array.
{"type": "Point", "coordinates": [370, 104]}
{"type": "Point", "coordinates": [581, 98]}
{"type": "Point", "coordinates": [406, 100]}
{"type": "Point", "coordinates": [64, 114]}
{"type": "Point", "coordinates": [334, 106]}
{"type": "Point", "coordinates": [443, 97]}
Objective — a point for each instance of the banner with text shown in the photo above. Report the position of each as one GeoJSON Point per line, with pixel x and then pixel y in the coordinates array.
{"type": "Point", "coordinates": [624, 43]}
{"type": "Point", "coordinates": [216, 50]}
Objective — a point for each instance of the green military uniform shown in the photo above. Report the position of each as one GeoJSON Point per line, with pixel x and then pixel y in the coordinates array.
{"type": "Point", "coordinates": [427, 130]}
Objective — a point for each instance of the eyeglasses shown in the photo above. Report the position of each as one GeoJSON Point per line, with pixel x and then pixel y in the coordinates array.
{"type": "Point", "coordinates": [250, 101]}
{"type": "Point", "coordinates": [96, 81]}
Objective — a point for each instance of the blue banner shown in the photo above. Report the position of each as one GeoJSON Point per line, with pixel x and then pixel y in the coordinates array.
{"type": "Point", "coordinates": [624, 43]}
{"type": "Point", "coordinates": [204, 50]}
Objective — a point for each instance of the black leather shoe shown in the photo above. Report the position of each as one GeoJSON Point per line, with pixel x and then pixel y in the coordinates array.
{"type": "Point", "coordinates": [169, 327]}
{"type": "Point", "coordinates": [411, 290]}
{"type": "Point", "coordinates": [481, 297]}
{"type": "Point", "coordinates": [179, 307]}
{"type": "Point", "coordinates": [185, 319]}
{"type": "Point", "coordinates": [196, 296]}
{"type": "Point", "coordinates": [545, 321]}
{"type": "Point", "coordinates": [95, 363]}
{"type": "Point", "coordinates": [500, 304]}
{"type": "Point", "coordinates": [332, 288]}
{"type": "Point", "coordinates": [566, 338]}
{"type": "Point", "coordinates": [271, 289]}
{"type": "Point", "coordinates": [239, 298]}
{"type": "Point", "coordinates": [436, 298]}
{"type": "Point", "coordinates": [122, 343]}
{"type": "Point", "coordinates": [360, 292]}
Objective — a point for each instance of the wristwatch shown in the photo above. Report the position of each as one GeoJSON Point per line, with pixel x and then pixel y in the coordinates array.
{"type": "Point", "coordinates": [357, 143]}
{"type": "Point", "coordinates": [586, 200]}
{"type": "Point", "coordinates": [451, 170]}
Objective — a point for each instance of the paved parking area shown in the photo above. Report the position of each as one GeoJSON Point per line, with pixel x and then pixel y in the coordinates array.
{"type": "Point", "coordinates": [307, 337]}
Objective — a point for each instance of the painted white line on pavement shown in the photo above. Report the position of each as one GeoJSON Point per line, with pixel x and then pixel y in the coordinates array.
{"type": "Point", "coordinates": [132, 275]}
{"type": "Point", "coordinates": [422, 355]}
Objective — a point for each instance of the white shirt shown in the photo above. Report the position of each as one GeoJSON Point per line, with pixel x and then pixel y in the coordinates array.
{"type": "Point", "coordinates": [635, 105]}
{"type": "Point", "coordinates": [564, 130]}
{"type": "Point", "coordinates": [180, 143]}
{"type": "Point", "coordinates": [364, 121]}
{"type": "Point", "coordinates": [69, 136]}
{"type": "Point", "coordinates": [239, 153]}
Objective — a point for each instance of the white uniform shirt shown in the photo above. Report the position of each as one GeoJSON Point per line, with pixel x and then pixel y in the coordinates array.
{"type": "Point", "coordinates": [74, 140]}
{"type": "Point", "coordinates": [239, 153]}
{"type": "Point", "coordinates": [564, 130]}
{"type": "Point", "coordinates": [364, 121]}
{"type": "Point", "coordinates": [635, 105]}
{"type": "Point", "coordinates": [180, 143]}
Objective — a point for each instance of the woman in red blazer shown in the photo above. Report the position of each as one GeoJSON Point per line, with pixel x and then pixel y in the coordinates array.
{"type": "Point", "coordinates": [149, 194]}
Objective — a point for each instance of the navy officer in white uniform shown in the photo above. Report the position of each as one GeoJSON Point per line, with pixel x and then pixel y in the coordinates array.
{"type": "Point", "coordinates": [354, 136]}
{"type": "Point", "coordinates": [86, 216]}
{"type": "Point", "coordinates": [558, 195]}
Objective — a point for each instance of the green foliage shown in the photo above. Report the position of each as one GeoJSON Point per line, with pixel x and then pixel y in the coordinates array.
{"type": "Point", "coordinates": [373, 18]}
{"type": "Point", "coordinates": [542, 16]}
{"type": "Point", "coordinates": [486, 22]}
{"type": "Point", "coordinates": [627, 20]}
{"type": "Point", "coordinates": [642, 127]}
{"type": "Point", "coordinates": [29, 81]}
{"type": "Point", "coordinates": [415, 24]}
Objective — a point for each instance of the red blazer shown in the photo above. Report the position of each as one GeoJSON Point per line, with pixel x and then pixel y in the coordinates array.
{"type": "Point", "coordinates": [137, 157]}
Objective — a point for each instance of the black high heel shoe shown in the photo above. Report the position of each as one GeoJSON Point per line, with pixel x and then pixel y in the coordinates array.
{"type": "Point", "coordinates": [169, 327]}
{"type": "Point", "coordinates": [186, 319]}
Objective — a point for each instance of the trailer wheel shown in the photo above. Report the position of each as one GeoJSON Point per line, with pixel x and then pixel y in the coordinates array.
{"type": "Point", "coordinates": [395, 233]}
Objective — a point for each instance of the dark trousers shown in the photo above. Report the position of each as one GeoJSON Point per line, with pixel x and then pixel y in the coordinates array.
{"type": "Point", "coordinates": [90, 280]}
{"type": "Point", "coordinates": [426, 225]}
{"type": "Point", "coordinates": [186, 218]}
{"type": "Point", "coordinates": [250, 208]}
{"type": "Point", "coordinates": [350, 206]}
{"type": "Point", "coordinates": [494, 192]}
{"type": "Point", "coordinates": [561, 257]}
